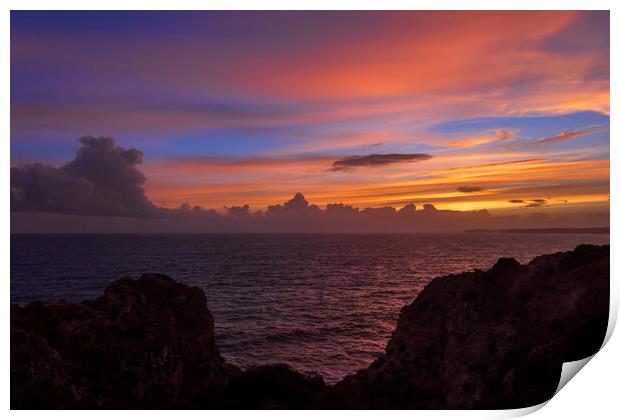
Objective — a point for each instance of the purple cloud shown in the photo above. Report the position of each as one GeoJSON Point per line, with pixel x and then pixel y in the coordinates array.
{"type": "Point", "coordinates": [352, 162]}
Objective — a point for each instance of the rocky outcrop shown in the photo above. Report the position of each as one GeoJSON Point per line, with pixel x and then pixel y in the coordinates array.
{"type": "Point", "coordinates": [483, 339]}
{"type": "Point", "coordinates": [272, 387]}
{"type": "Point", "coordinates": [490, 339]}
{"type": "Point", "coordinates": [144, 343]}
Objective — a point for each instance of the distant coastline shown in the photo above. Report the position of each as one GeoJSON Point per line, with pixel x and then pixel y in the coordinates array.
{"type": "Point", "coordinates": [591, 230]}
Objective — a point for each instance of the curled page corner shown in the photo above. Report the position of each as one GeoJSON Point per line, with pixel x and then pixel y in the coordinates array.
{"type": "Point", "coordinates": [569, 370]}
{"type": "Point", "coordinates": [613, 315]}
{"type": "Point", "coordinates": [520, 412]}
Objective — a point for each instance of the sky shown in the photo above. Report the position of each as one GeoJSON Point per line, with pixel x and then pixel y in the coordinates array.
{"type": "Point", "coordinates": [502, 111]}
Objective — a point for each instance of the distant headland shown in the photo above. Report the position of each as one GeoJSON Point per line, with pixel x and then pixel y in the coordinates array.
{"type": "Point", "coordinates": [591, 230]}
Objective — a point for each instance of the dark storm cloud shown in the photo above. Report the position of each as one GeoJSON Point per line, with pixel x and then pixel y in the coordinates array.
{"type": "Point", "coordinates": [468, 188]}
{"type": "Point", "coordinates": [102, 179]}
{"type": "Point", "coordinates": [351, 162]}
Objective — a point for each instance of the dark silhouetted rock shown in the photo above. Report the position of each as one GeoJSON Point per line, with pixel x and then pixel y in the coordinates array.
{"type": "Point", "coordinates": [483, 339]}
{"type": "Point", "coordinates": [145, 343]}
{"type": "Point", "coordinates": [493, 339]}
{"type": "Point", "coordinates": [272, 387]}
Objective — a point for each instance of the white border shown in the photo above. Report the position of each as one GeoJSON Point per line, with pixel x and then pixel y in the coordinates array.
{"type": "Point", "coordinates": [593, 394]}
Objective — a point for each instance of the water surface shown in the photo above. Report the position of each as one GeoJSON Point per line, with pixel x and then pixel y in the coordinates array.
{"type": "Point", "coordinates": [321, 303]}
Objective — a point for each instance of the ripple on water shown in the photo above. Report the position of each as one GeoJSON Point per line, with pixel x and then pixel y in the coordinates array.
{"type": "Point", "coordinates": [321, 303]}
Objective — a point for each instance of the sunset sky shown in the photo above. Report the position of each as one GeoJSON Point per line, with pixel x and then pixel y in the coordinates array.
{"type": "Point", "coordinates": [465, 110]}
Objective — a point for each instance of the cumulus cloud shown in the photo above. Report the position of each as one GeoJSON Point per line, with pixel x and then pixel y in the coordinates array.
{"type": "Point", "coordinates": [238, 211]}
{"type": "Point", "coordinates": [102, 179]}
{"type": "Point", "coordinates": [103, 182]}
{"type": "Point", "coordinates": [298, 202]}
{"type": "Point", "coordinates": [340, 211]}
{"type": "Point", "coordinates": [468, 188]}
{"type": "Point", "coordinates": [352, 162]}
{"type": "Point", "coordinates": [297, 216]}
{"type": "Point", "coordinates": [407, 209]}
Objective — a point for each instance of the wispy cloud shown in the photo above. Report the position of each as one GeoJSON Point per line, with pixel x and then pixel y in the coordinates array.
{"type": "Point", "coordinates": [488, 165]}
{"type": "Point", "coordinates": [536, 202]}
{"type": "Point", "coordinates": [351, 162]}
{"type": "Point", "coordinates": [468, 188]}
{"type": "Point", "coordinates": [569, 134]}
{"type": "Point", "coordinates": [499, 136]}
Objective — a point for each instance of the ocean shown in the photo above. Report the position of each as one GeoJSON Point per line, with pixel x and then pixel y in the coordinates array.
{"type": "Point", "coordinates": [323, 304]}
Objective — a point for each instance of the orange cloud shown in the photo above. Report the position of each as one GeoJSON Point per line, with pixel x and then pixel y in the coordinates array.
{"type": "Point", "coordinates": [500, 135]}
{"type": "Point", "coordinates": [261, 182]}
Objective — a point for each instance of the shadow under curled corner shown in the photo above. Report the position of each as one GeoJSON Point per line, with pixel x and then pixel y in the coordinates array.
{"type": "Point", "coordinates": [570, 369]}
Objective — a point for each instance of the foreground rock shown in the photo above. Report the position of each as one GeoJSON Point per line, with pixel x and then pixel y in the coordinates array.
{"type": "Point", "coordinates": [492, 339]}
{"type": "Point", "coordinates": [145, 343]}
{"type": "Point", "coordinates": [272, 387]}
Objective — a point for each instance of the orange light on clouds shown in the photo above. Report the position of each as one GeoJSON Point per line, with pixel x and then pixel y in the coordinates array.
{"type": "Point", "coordinates": [508, 103]}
